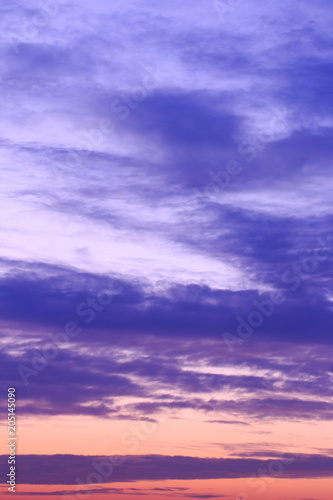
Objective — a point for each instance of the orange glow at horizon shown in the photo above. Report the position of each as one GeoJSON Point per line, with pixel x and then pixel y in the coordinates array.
{"type": "Point", "coordinates": [188, 434]}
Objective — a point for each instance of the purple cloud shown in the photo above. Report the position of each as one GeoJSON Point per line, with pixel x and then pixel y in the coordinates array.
{"type": "Point", "coordinates": [64, 469]}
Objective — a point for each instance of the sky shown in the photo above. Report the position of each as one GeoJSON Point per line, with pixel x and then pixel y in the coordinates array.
{"type": "Point", "coordinates": [166, 248]}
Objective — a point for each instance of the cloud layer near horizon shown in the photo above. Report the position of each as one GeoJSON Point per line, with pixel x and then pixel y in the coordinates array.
{"type": "Point", "coordinates": [66, 469]}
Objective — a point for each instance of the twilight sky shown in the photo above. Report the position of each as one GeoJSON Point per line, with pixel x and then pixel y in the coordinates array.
{"type": "Point", "coordinates": [166, 248]}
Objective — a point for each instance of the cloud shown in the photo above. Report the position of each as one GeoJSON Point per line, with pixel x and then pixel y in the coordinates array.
{"type": "Point", "coordinates": [162, 349]}
{"type": "Point", "coordinates": [110, 182]}
{"type": "Point", "coordinates": [231, 422]}
{"type": "Point", "coordinates": [65, 469]}
{"type": "Point", "coordinates": [44, 295]}
{"type": "Point", "coordinates": [176, 492]}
